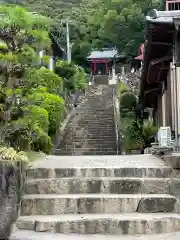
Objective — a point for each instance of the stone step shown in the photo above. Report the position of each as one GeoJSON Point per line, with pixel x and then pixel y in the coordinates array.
{"type": "Point", "coordinates": [117, 224]}
{"type": "Point", "coordinates": [101, 120]}
{"type": "Point", "coordinates": [107, 112]}
{"type": "Point", "coordinates": [100, 99]}
{"type": "Point", "coordinates": [98, 103]}
{"type": "Point", "coordinates": [98, 136]}
{"type": "Point", "coordinates": [91, 128]}
{"type": "Point", "coordinates": [94, 150]}
{"type": "Point", "coordinates": [93, 118]}
{"type": "Point", "coordinates": [76, 185]}
{"type": "Point", "coordinates": [89, 145]}
{"type": "Point", "coordinates": [93, 108]}
{"type": "Point", "coordinates": [31, 235]}
{"type": "Point", "coordinates": [48, 204]}
{"type": "Point", "coordinates": [101, 166]}
{"type": "Point", "coordinates": [105, 101]}
{"type": "Point", "coordinates": [98, 144]}
{"type": "Point", "coordinates": [97, 107]}
{"type": "Point", "coordinates": [88, 123]}
{"type": "Point", "coordinates": [92, 138]}
{"type": "Point", "coordinates": [58, 172]}
{"type": "Point", "coordinates": [96, 123]}
{"type": "Point", "coordinates": [84, 152]}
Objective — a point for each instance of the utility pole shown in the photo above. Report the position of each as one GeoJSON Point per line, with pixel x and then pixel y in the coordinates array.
{"type": "Point", "coordinates": [67, 41]}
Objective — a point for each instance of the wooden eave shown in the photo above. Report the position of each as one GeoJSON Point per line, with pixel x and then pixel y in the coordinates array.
{"type": "Point", "coordinates": [157, 55]}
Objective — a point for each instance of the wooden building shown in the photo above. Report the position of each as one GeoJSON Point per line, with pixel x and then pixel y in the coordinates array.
{"type": "Point", "coordinates": [171, 5]}
{"type": "Point", "coordinates": [160, 78]}
{"type": "Point", "coordinates": [102, 61]}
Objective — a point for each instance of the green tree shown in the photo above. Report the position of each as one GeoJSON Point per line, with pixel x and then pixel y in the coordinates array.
{"type": "Point", "coordinates": [52, 103]}
{"type": "Point", "coordinates": [42, 78]}
{"type": "Point", "coordinates": [73, 76]}
{"type": "Point", "coordinates": [97, 23]}
{"type": "Point", "coordinates": [22, 34]}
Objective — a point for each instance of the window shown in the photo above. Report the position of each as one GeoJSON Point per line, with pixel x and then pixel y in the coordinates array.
{"type": "Point", "coordinates": [172, 5]}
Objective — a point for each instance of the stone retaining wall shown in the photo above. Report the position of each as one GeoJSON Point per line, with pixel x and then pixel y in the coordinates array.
{"type": "Point", "coordinates": [9, 197]}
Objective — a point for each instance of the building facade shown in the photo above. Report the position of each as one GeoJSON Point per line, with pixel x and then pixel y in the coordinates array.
{"type": "Point", "coordinates": [160, 78]}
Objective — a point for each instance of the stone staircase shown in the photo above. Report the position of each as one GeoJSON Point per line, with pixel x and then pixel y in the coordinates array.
{"type": "Point", "coordinates": [101, 79]}
{"type": "Point", "coordinates": [117, 195]}
{"type": "Point", "coordinates": [91, 129]}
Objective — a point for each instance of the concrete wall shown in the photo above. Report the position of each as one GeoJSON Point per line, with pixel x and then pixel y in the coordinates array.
{"type": "Point", "coordinates": [9, 198]}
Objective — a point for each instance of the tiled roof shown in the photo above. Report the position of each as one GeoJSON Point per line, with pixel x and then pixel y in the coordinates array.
{"type": "Point", "coordinates": [105, 53]}
{"type": "Point", "coordinates": [155, 16]}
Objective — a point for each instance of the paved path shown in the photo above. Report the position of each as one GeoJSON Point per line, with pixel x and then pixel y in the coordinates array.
{"type": "Point", "coordinates": [109, 162]}
{"type": "Point", "coordinates": [115, 161]}
{"type": "Point", "coordinates": [27, 235]}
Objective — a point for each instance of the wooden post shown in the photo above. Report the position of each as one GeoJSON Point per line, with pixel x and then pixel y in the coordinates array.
{"type": "Point", "coordinates": [94, 70]}
{"type": "Point", "coordinates": [106, 66]}
{"type": "Point", "coordinates": [164, 106]}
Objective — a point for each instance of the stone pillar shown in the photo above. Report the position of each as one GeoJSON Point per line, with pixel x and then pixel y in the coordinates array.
{"type": "Point", "coordinates": [51, 63]}
{"type": "Point", "coordinates": [122, 71]}
{"type": "Point", "coordinates": [41, 55]}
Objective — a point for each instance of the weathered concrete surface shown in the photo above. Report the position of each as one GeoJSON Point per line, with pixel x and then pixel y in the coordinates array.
{"type": "Point", "coordinates": [103, 172]}
{"type": "Point", "coordinates": [91, 130]}
{"type": "Point", "coordinates": [46, 204]}
{"type": "Point", "coordinates": [30, 235]}
{"type": "Point", "coordinates": [75, 185]}
{"type": "Point", "coordinates": [9, 198]}
{"type": "Point", "coordinates": [102, 195]}
{"type": "Point", "coordinates": [101, 166]}
{"type": "Point", "coordinates": [173, 160]}
{"type": "Point", "coordinates": [117, 161]}
{"type": "Point", "coordinates": [102, 223]}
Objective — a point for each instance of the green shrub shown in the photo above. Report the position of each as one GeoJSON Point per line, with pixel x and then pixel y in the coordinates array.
{"type": "Point", "coordinates": [132, 135]}
{"type": "Point", "coordinates": [17, 134]}
{"type": "Point", "coordinates": [128, 101]}
{"type": "Point", "coordinates": [37, 115]}
{"type": "Point", "coordinates": [43, 77]}
{"type": "Point", "coordinates": [137, 135]}
{"type": "Point", "coordinates": [67, 71]}
{"type": "Point", "coordinates": [23, 134]}
{"type": "Point", "coordinates": [148, 131]}
{"type": "Point", "coordinates": [74, 76]}
{"type": "Point", "coordinates": [122, 88]}
{"type": "Point", "coordinates": [80, 76]}
{"type": "Point", "coordinates": [53, 104]}
{"type": "Point", "coordinates": [41, 141]}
